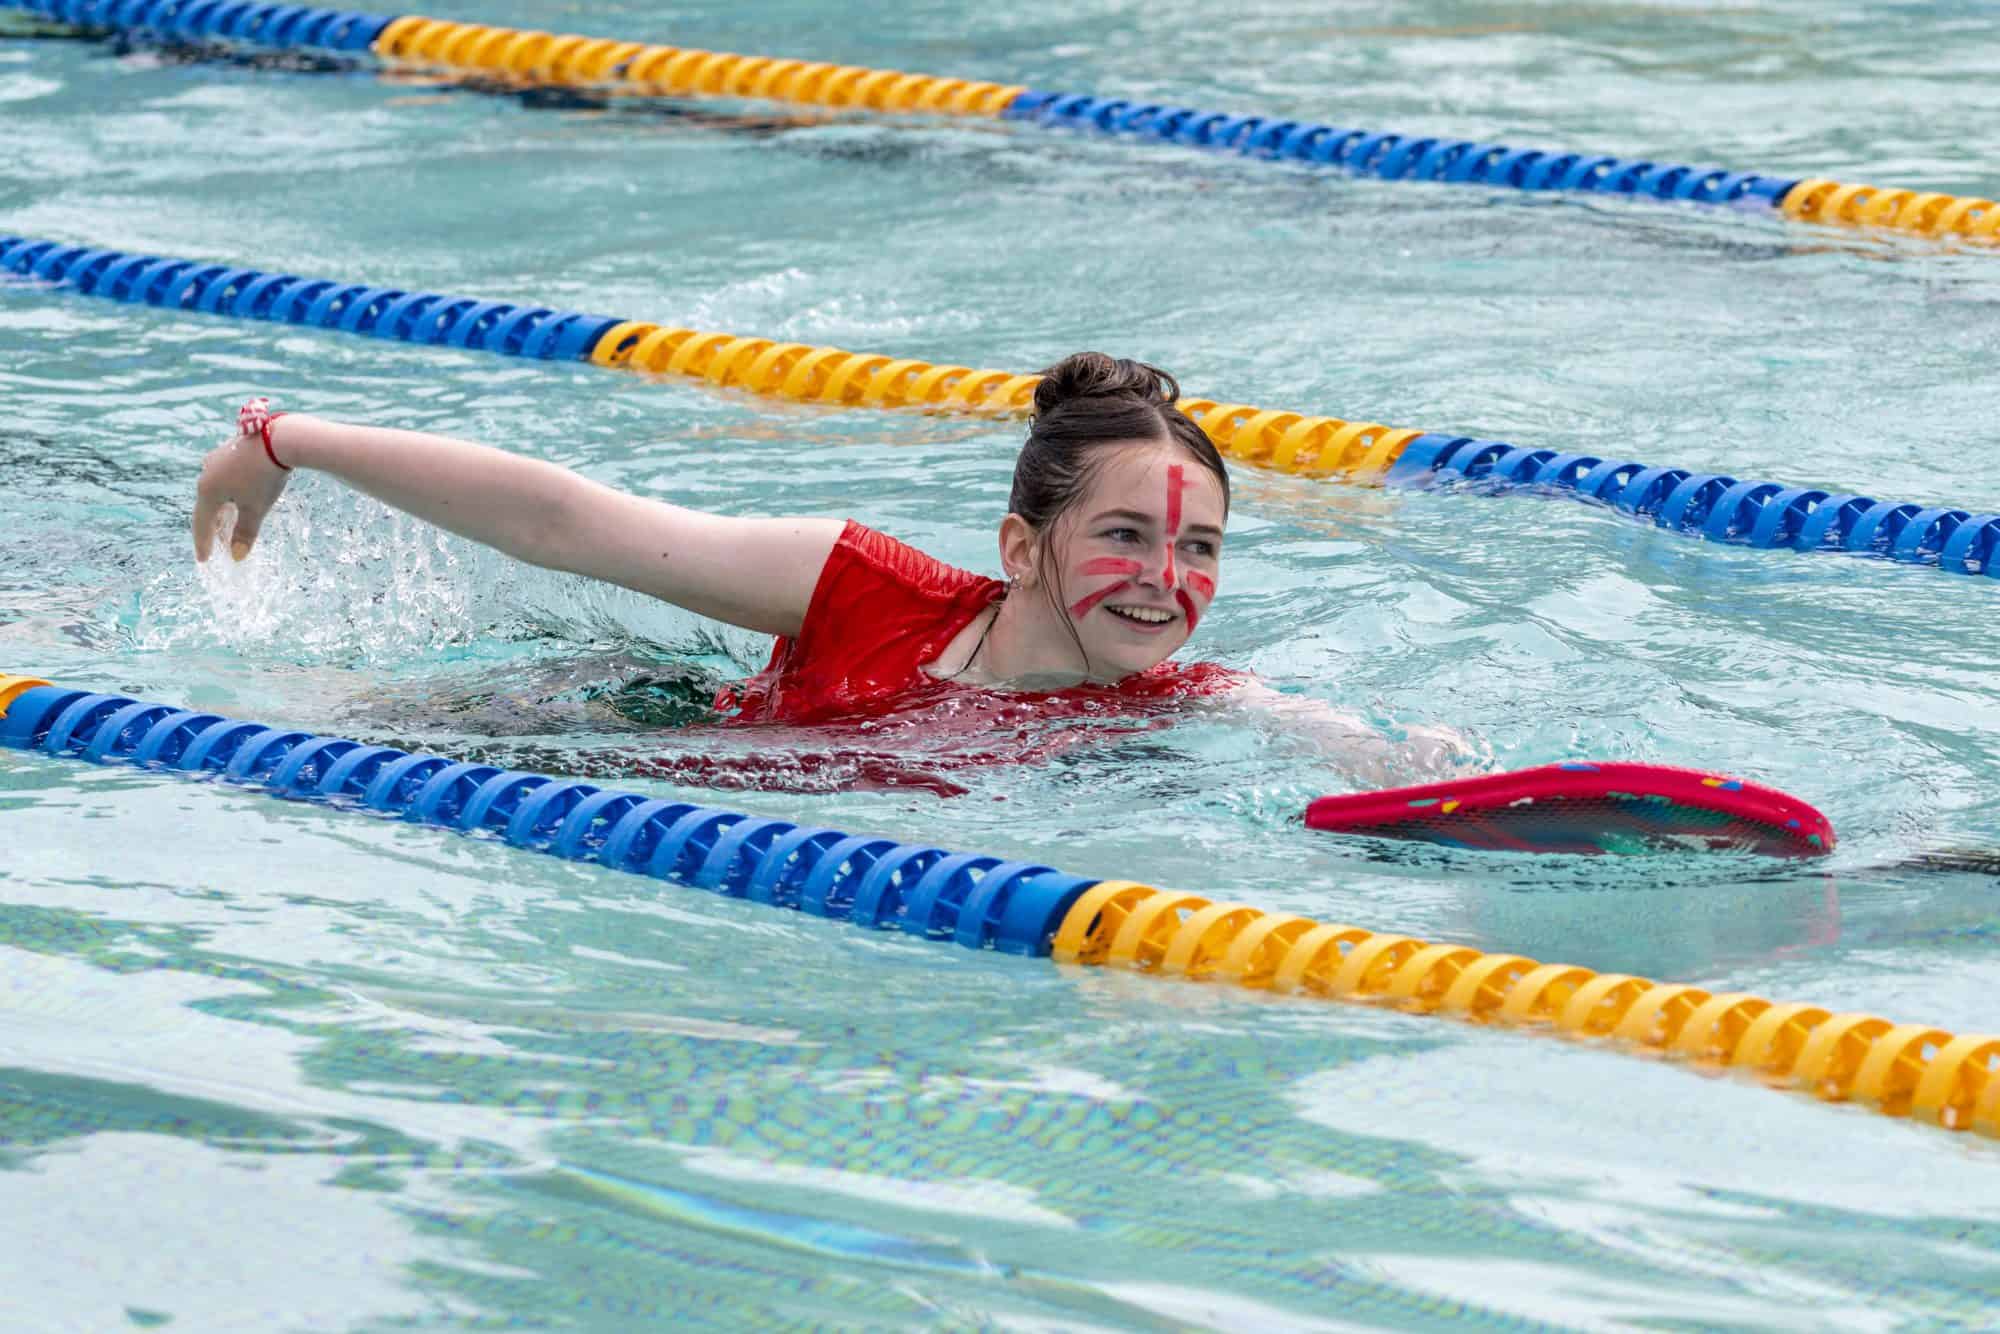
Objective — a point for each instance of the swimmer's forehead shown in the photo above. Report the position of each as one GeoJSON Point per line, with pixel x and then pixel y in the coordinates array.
{"type": "Point", "coordinates": [1133, 484]}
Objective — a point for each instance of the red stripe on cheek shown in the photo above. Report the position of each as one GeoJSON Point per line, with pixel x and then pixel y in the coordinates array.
{"type": "Point", "coordinates": [1188, 608]}
{"type": "Point", "coordinates": [1204, 588]}
{"type": "Point", "coordinates": [1109, 565]}
{"type": "Point", "coordinates": [1081, 607]}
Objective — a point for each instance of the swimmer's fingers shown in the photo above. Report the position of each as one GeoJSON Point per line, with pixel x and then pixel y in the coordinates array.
{"type": "Point", "coordinates": [244, 535]}
{"type": "Point", "coordinates": [234, 475]}
{"type": "Point", "coordinates": [208, 505]}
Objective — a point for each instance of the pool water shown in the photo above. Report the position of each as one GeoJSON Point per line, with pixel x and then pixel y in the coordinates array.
{"type": "Point", "coordinates": [270, 1066]}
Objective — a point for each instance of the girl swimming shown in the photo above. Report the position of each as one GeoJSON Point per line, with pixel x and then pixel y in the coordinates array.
{"type": "Point", "coordinates": [1111, 547]}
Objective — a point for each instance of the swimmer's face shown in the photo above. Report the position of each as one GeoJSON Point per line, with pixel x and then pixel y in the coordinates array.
{"type": "Point", "coordinates": [1138, 555]}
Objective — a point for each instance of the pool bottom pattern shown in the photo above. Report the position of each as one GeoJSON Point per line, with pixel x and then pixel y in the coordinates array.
{"type": "Point", "coordinates": [986, 902]}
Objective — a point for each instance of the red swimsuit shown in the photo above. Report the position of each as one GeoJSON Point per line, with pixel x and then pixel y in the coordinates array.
{"type": "Point", "coordinates": [880, 612]}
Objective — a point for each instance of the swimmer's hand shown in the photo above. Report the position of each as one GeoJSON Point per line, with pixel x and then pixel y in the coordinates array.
{"type": "Point", "coordinates": [238, 474]}
{"type": "Point", "coordinates": [1398, 757]}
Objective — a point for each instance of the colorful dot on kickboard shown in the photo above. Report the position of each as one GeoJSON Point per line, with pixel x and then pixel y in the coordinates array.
{"type": "Point", "coordinates": [1449, 806]}
{"type": "Point", "coordinates": [1814, 840]}
{"type": "Point", "coordinates": [1792, 823]}
{"type": "Point", "coordinates": [1424, 801]}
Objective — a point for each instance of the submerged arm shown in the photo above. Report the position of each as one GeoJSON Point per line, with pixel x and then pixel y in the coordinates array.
{"type": "Point", "coordinates": [756, 573]}
{"type": "Point", "coordinates": [1420, 753]}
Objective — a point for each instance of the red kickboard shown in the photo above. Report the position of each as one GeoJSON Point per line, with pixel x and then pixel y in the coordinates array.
{"type": "Point", "coordinates": [1578, 807]}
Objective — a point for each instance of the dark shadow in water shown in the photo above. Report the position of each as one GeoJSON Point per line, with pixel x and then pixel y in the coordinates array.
{"type": "Point", "coordinates": [39, 1108]}
{"type": "Point", "coordinates": [624, 692]}
{"type": "Point", "coordinates": [182, 52]}
{"type": "Point", "coordinates": [650, 711]}
{"type": "Point", "coordinates": [80, 465]}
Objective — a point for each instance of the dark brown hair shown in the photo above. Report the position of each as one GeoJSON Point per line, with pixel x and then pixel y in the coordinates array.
{"type": "Point", "coordinates": [1085, 402]}
{"type": "Point", "coordinates": [1088, 400]}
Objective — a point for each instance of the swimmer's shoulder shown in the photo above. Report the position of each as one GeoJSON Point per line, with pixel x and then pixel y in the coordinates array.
{"type": "Point", "coordinates": [896, 561]}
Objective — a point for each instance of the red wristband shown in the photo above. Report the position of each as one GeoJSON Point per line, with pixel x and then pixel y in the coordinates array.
{"type": "Point", "coordinates": [256, 415]}
{"type": "Point", "coordinates": [265, 432]}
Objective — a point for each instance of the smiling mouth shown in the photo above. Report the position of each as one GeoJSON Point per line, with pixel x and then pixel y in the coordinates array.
{"type": "Point", "coordinates": [1150, 618]}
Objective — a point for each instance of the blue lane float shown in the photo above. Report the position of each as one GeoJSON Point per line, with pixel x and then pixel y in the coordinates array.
{"type": "Point", "coordinates": [428, 318]}
{"type": "Point", "coordinates": [1401, 157]}
{"type": "Point", "coordinates": [977, 901]}
{"type": "Point", "coordinates": [219, 20]}
{"type": "Point", "coordinates": [1715, 506]}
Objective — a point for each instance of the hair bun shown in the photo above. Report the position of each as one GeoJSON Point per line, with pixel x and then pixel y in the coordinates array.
{"type": "Point", "coordinates": [1095, 375]}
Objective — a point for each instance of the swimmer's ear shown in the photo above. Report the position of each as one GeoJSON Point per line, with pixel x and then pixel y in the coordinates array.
{"type": "Point", "coordinates": [1017, 550]}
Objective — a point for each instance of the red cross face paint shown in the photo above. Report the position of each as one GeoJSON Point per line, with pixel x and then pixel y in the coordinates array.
{"type": "Point", "coordinates": [1136, 559]}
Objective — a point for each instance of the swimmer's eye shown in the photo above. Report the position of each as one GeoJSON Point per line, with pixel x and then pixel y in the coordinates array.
{"type": "Point", "coordinates": [1121, 534]}
{"type": "Point", "coordinates": [1200, 547]}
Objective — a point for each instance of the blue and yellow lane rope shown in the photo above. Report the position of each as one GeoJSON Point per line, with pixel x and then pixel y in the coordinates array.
{"type": "Point", "coordinates": [1025, 908]}
{"type": "Point", "coordinates": [1714, 506]}
{"type": "Point", "coordinates": [519, 56]}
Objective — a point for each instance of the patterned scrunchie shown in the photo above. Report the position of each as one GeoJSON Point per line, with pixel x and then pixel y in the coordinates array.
{"type": "Point", "coordinates": [255, 418]}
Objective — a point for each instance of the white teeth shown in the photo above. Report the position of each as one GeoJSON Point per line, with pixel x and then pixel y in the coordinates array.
{"type": "Point", "coordinates": [1150, 615]}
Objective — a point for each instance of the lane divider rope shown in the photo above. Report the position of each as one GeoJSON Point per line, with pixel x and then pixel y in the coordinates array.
{"type": "Point", "coordinates": [1713, 506]}
{"type": "Point", "coordinates": [531, 57]}
{"type": "Point", "coordinates": [547, 58]}
{"type": "Point", "coordinates": [1926, 214]}
{"type": "Point", "coordinates": [1025, 908]}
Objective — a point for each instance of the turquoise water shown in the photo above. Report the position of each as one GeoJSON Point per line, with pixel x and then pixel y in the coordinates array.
{"type": "Point", "coordinates": [266, 1066]}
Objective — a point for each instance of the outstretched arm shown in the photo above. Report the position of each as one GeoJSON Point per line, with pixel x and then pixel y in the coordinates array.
{"type": "Point", "coordinates": [756, 573]}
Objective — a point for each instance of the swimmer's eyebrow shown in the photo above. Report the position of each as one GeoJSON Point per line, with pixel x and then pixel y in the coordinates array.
{"type": "Point", "coordinates": [1136, 516]}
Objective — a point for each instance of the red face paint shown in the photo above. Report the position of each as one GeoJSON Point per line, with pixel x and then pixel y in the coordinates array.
{"type": "Point", "coordinates": [1202, 585]}
{"type": "Point", "coordinates": [1081, 607]}
{"type": "Point", "coordinates": [1176, 483]}
{"type": "Point", "coordinates": [1103, 565]}
{"type": "Point", "coordinates": [1188, 609]}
